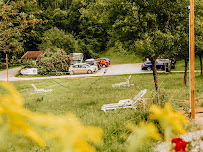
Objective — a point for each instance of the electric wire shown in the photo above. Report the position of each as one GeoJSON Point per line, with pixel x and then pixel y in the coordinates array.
{"type": "Point", "coordinates": [87, 87]}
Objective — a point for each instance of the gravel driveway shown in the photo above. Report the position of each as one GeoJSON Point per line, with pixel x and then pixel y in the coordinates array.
{"type": "Point", "coordinates": [118, 69]}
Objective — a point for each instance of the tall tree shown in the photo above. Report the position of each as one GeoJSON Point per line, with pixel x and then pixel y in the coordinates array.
{"type": "Point", "coordinates": [13, 23]}
{"type": "Point", "coordinates": [199, 31]}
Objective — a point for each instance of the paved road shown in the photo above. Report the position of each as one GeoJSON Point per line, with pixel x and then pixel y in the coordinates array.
{"type": "Point", "coordinates": [118, 69]}
{"type": "Point", "coordinates": [11, 74]}
{"type": "Point", "coordinates": [111, 70]}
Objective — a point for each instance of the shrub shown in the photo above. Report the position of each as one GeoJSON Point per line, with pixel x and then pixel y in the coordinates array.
{"type": "Point", "coordinates": [28, 63]}
{"type": "Point", "coordinates": [55, 60]}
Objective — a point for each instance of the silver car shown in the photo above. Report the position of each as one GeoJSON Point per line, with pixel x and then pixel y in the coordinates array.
{"type": "Point", "coordinates": [82, 68]}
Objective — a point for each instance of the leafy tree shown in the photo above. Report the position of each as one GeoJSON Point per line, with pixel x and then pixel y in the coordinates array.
{"type": "Point", "coordinates": [152, 46]}
{"type": "Point", "coordinates": [14, 21]}
{"type": "Point", "coordinates": [55, 37]}
{"type": "Point", "coordinates": [199, 30]}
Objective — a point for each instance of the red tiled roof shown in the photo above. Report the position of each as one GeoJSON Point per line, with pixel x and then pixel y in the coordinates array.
{"type": "Point", "coordinates": [32, 54]}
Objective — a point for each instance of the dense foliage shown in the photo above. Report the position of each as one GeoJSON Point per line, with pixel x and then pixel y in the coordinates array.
{"type": "Point", "coordinates": [94, 26]}
{"type": "Point", "coordinates": [55, 60]}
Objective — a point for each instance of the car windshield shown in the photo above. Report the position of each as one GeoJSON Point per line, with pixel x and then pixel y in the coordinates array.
{"type": "Point", "coordinates": [148, 62]}
{"type": "Point", "coordinates": [87, 65]}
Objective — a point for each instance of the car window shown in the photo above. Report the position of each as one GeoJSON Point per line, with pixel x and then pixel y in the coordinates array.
{"type": "Point", "coordinates": [75, 66]}
{"type": "Point", "coordinates": [87, 65]}
{"type": "Point", "coordinates": [82, 66]}
{"type": "Point", "coordinates": [148, 62]}
{"type": "Point", "coordinates": [159, 62]}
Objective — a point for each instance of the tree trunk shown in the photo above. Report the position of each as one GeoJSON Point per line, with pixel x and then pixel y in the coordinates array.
{"type": "Point", "coordinates": [200, 59]}
{"type": "Point", "coordinates": [185, 75]}
{"type": "Point", "coordinates": [155, 74]}
{"type": "Point", "coordinates": [156, 82]}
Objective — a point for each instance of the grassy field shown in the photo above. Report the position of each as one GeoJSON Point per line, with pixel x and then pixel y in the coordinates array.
{"type": "Point", "coordinates": [85, 101]}
{"type": "Point", "coordinates": [180, 65]}
{"type": "Point", "coordinates": [122, 58]}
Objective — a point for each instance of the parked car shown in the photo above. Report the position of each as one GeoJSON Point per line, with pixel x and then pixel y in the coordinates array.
{"type": "Point", "coordinates": [93, 62]}
{"type": "Point", "coordinates": [147, 65]}
{"type": "Point", "coordinates": [105, 62]}
{"type": "Point", "coordinates": [82, 68]}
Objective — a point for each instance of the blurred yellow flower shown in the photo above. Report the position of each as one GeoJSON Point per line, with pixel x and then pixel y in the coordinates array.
{"type": "Point", "coordinates": [170, 121]}
{"type": "Point", "coordinates": [12, 106]}
{"type": "Point", "coordinates": [141, 135]}
{"type": "Point", "coordinates": [70, 134]}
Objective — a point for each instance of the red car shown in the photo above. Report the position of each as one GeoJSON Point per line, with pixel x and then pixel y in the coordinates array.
{"type": "Point", "coordinates": [104, 62]}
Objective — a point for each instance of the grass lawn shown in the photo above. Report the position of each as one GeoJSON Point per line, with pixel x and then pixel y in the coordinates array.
{"type": "Point", "coordinates": [85, 101]}
{"type": "Point", "coordinates": [180, 65]}
{"type": "Point", "coordinates": [121, 58]}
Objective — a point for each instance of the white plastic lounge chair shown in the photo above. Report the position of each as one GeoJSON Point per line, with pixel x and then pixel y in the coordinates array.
{"type": "Point", "coordinates": [127, 83]}
{"type": "Point", "coordinates": [40, 90]}
{"type": "Point", "coordinates": [126, 103]}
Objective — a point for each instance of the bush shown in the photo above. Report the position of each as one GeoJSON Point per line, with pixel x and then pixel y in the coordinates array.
{"type": "Point", "coordinates": [55, 60]}
{"type": "Point", "coordinates": [28, 63]}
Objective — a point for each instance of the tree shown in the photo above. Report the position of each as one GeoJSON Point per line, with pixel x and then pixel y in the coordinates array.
{"type": "Point", "coordinates": [199, 31]}
{"type": "Point", "coordinates": [55, 37]}
{"type": "Point", "coordinates": [13, 23]}
{"type": "Point", "coordinates": [152, 46]}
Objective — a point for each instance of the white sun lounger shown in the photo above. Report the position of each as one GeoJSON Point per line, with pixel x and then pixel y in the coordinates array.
{"type": "Point", "coordinates": [126, 103]}
{"type": "Point", "coordinates": [127, 83]}
{"type": "Point", "coordinates": [40, 90]}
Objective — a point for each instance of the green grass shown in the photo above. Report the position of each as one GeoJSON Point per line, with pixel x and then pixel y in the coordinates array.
{"type": "Point", "coordinates": [180, 65]}
{"type": "Point", "coordinates": [85, 101]}
{"type": "Point", "coordinates": [121, 58]}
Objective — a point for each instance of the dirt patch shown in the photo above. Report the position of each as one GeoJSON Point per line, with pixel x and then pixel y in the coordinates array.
{"type": "Point", "coordinates": [199, 119]}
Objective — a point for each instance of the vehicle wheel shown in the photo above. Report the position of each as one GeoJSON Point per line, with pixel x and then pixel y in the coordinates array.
{"type": "Point", "coordinates": [71, 72]}
{"type": "Point", "coordinates": [89, 71]}
{"type": "Point", "coordinates": [148, 69]}
{"type": "Point", "coordinates": [103, 65]}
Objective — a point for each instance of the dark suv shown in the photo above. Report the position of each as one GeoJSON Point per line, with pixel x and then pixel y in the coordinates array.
{"type": "Point", "coordinates": [147, 65]}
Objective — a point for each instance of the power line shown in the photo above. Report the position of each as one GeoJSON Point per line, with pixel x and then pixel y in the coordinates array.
{"type": "Point", "coordinates": [98, 79]}
{"type": "Point", "coordinates": [87, 87]}
{"type": "Point", "coordinates": [58, 83]}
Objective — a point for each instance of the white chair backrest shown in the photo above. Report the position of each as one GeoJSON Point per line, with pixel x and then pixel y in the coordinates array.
{"type": "Point", "coordinates": [129, 77]}
{"type": "Point", "coordinates": [139, 95]}
{"type": "Point", "coordinates": [34, 86]}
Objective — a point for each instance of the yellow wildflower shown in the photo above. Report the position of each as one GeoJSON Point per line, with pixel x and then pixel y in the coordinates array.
{"type": "Point", "coordinates": [71, 134]}
{"type": "Point", "coordinates": [170, 120]}
{"type": "Point", "coordinates": [68, 131]}
{"type": "Point", "coordinates": [141, 134]}
{"type": "Point", "coordinates": [12, 106]}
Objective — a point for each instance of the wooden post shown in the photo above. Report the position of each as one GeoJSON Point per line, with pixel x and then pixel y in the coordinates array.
{"type": "Point", "coordinates": [7, 65]}
{"type": "Point", "coordinates": [192, 56]}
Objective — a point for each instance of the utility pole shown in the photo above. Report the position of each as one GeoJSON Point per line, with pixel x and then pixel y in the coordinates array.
{"type": "Point", "coordinates": [192, 56]}
{"type": "Point", "coordinates": [7, 65]}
